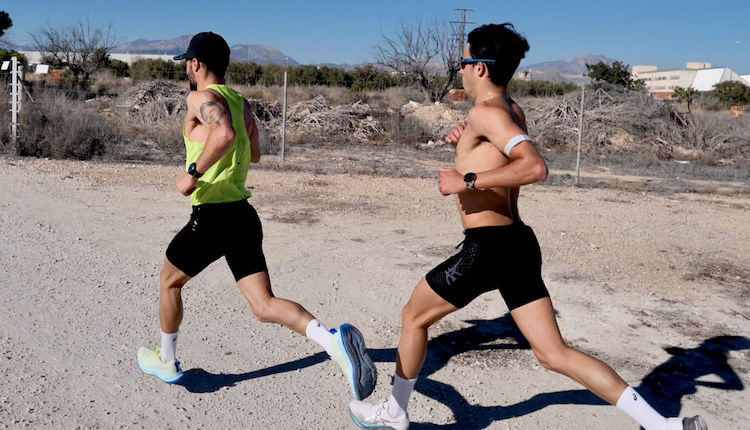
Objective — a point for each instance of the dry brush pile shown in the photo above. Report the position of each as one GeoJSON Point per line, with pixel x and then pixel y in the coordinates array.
{"type": "Point", "coordinates": [318, 121]}
{"type": "Point", "coordinates": [637, 123]}
{"type": "Point", "coordinates": [144, 123]}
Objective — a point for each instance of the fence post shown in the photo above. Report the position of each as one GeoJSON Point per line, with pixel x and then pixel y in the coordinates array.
{"type": "Point", "coordinates": [14, 99]}
{"type": "Point", "coordinates": [580, 136]}
{"type": "Point", "coordinates": [283, 122]}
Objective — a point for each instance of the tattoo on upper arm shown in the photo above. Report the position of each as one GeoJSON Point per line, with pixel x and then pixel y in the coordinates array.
{"type": "Point", "coordinates": [212, 112]}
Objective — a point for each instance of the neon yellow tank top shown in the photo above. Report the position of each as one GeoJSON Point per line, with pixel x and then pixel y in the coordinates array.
{"type": "Point", "coordinates": [224, 182]}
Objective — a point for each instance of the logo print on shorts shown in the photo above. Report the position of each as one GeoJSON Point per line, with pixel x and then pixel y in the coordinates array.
{"type": "Point", "coordinates": [452, 274]}
{"type": "Point", "coordinates": [635, 397]}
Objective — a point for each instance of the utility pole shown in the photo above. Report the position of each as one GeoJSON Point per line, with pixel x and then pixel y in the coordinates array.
{"type": "Point", "coordinates": [461, 34]}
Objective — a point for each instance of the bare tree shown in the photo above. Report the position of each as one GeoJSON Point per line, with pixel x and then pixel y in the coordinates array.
{"type": "Point", "coordinates": [81, 49]}
{"type": "Point", "coordinates": [427, 55]}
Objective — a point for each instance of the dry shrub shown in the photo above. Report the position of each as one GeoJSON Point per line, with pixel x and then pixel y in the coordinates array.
{"type": "Point", "coordinates": [403, 129]}
{"type": "Point", "coordinates": [145, 123]}
{"type": "Point", "coordinates": [637, 124]}
{"type": "Point", "coordinates": [106, 82]}
{"type": "Point", "coordinates": [63, 129]}
{"type": "Point", "coordinates": [393, 97]}
{"type": "Point", "coordinates": [297, 94]}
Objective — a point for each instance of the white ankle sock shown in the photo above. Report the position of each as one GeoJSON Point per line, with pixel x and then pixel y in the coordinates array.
{"type": "Point", "coordinates": [638, 409]}
{"type": "Point", "coordinates": [319, 333]}
{"type": "Point", "coordinates": [168, 347]}
{"type": "Point", "coordinates": [399, 400]}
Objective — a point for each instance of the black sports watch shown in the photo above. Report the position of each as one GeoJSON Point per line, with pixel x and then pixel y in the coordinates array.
{"type": "Point", "coordinates": [469, 180]}
{"type": "Point", "coordinates": [193, 171]}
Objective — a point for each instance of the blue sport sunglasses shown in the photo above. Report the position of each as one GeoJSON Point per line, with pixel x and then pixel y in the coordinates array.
{"type": "Point", "coordinates": [465, 61]}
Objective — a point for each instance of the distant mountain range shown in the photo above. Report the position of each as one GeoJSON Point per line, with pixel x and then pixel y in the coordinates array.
{"type": "Point", "coordinates": [259, 54]}
{"type": "Point", "coordinates": [570, 70]}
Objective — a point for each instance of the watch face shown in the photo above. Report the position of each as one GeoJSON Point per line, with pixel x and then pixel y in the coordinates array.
{"type": "Point", "coordinates": [470, 177]}
{"type": "Point", "coordinates": [193, 170]}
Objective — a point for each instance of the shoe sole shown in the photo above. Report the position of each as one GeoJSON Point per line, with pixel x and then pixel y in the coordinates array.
{"type": "Point", "coordinates": [367, 426]}
{"type": "Point", "coordinates": [169, 379]}
{"type": "Point", "coordinates": [701, 423]}
{"type": "Point", "coordinates": [364, 374]}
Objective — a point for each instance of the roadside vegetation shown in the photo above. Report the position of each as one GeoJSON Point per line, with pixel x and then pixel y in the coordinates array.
{"type": "Point", "coordinates": [94, 108]}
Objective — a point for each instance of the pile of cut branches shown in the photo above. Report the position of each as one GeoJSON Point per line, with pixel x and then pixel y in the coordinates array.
{"type": "Point", "coordinates": [627, 122]}
{"type": "Point", "coordinates": [317, 119]}
{"type": "Point", "coordinates": [153, 101]}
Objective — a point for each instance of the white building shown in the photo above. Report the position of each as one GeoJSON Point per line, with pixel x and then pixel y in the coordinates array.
{"type": "Point", "coordinates": [701, 76]}
{"type": "Point", "coordinates": [35, 57]}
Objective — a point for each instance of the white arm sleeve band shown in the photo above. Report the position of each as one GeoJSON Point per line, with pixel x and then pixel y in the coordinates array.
{"type": "Point", "coordinates": [515, 141]}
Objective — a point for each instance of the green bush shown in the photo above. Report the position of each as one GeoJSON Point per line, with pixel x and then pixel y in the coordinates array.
{"type": "Point", "coordinates": [150, 69]}
{"type": "Point", "coordinates": [732, 93]}
{"type": "Point", "coordinates": [5, 56]}
{"type": "Point", "coordinates": [365, 78]}
{"type": "Point", "coordinates": [120, 68]}
{"type": "Point", "coordinates": [521, 88]}
{"type": "Point", "coordinates": [369, 78]}
{"type": "Point", "coordinates": [243, 73]}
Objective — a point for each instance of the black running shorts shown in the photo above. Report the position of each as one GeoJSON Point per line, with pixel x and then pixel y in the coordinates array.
{"type": "Point", "coordinates": [504, 258]}
{"type": "Point", "coordinates": [231, 230]}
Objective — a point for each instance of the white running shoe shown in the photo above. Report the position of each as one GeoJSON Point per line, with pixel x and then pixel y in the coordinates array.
{"type": "Point", "coordinates": [376, 417]}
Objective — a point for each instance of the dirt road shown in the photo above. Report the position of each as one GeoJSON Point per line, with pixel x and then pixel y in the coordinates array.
{"type": "Point", "coordinates": [650, 283]}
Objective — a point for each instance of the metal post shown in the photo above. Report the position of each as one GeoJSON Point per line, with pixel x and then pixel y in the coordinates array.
{"type": "Point", "coordinates": [21, 87]}
{"type": "Point", "coordinates": [14, 99]}
{"type": "Point", "coordinates": [580, 136]}
{"type": "Point", "coordinates": [283, 121]}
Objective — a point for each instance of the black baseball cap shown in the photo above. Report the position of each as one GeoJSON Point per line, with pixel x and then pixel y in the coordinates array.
{"type": "Point", "coordinates": [208, 48]}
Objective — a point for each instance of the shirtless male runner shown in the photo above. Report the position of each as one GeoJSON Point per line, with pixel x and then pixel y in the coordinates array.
{"type": "Point", "coordinates": [221, 139]}
{"type": "Point", "coordinates": [494, 158]}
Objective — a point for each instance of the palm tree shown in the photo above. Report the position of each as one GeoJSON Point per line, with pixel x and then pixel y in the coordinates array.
{"type": "Point", "coordinates": [687, 94]}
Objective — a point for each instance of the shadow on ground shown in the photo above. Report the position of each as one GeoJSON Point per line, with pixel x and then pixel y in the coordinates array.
{"type": "Point", "coordinates": [664, 387]}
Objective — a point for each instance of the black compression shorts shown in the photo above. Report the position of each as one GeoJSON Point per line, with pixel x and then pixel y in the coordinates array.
{"type": "Point", "coordinates": [504, 258]}
{"type": "Point", "coordinates": [231, 230]}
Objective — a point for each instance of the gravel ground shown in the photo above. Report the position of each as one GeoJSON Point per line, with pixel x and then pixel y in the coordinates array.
{"type": "Point", "coordinates": [654, 283]}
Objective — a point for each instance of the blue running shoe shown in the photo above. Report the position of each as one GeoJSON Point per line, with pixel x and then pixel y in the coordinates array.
{"type": "Point", "coordinates": [350, 353]}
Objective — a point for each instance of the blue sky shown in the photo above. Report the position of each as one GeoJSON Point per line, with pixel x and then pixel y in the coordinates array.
{"type": "Point", "coordinates": [667, 34]}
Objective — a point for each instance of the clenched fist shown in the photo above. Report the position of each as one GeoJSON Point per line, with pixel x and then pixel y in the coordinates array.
{"type": "Point", "coordinates": [186, 184]}
{"type": "Point", "coordinates": [456, 133]}
{"type": "Point", "coordinates": [451, 182]}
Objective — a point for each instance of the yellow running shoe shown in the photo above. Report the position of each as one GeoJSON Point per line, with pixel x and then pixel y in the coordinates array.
{"type": "Point", "coordinates": [149, 360]}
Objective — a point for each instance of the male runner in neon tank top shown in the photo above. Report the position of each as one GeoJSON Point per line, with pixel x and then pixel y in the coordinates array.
{"type": "Point", "coordinates": [221, 139]}
{"type": "Point", "coordinates": [494, 158]}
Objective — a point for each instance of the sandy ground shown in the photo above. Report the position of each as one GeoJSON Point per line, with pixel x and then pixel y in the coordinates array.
{"type": "Point", "coordinates": [650, 283]}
